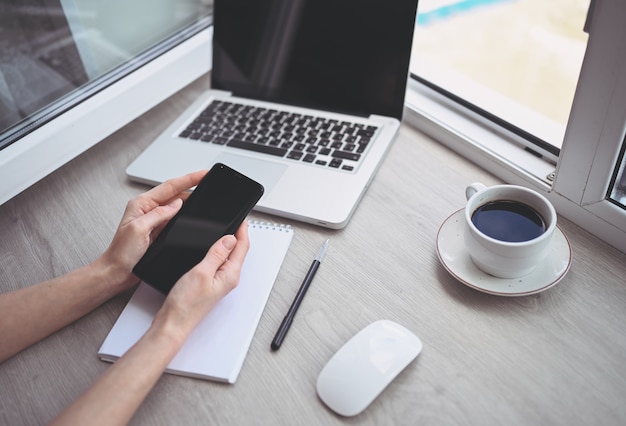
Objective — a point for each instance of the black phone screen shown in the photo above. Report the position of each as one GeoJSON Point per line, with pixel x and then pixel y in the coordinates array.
{"type": "Point", "coordinates": [217, 206]}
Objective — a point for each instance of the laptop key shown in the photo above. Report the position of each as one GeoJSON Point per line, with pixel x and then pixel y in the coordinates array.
{"type": "Point", "coordinates": [266, 149]}
{"type": "Point", "coordinates": [346, 155]}
{"type": "Point", "coordinates": [295, 155]}
{"type": "Point", "coordinates": [220, 140]}
{"type": "Point", "coordinates": [335, 163]}
{"type": "Point", "coordinates": [362, 147]}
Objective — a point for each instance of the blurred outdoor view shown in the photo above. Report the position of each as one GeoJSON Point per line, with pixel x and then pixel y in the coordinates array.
{"type": "Point", "coordinates": [518, 59]}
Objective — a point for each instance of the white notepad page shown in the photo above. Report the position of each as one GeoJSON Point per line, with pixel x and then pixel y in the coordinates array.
{"type": "Point", "coordinates": [218, 346]}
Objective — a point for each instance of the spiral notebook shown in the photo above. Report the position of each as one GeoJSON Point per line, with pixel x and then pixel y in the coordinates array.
{"type": "Point", "coordinates": [217, 348]}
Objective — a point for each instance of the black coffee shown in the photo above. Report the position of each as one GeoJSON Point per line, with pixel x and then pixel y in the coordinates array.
{"type": "Point", "coordinates": [508, 221]}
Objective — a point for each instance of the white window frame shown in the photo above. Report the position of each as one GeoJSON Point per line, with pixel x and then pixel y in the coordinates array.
{"type": "Point", "coordinates": [579, 182]}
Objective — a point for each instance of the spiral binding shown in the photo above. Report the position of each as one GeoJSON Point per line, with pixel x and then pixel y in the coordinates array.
{"type": "Point", "coordinates": [268, 225]}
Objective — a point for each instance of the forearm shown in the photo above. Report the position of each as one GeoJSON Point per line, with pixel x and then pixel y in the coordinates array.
{"type": "Point", "coordinates": [116, 395]}
{"type": "Point", "coordinates": [33, 313]}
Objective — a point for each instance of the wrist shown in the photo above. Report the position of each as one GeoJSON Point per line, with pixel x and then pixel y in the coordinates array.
{"type": "Point", "coordinates": [117, 277]}
{"type": "Point", "coordinates": [168, 326]}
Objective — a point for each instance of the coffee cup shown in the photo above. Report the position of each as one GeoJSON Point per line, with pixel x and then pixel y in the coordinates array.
{"type": "Point", "coordinates": [508, 228]}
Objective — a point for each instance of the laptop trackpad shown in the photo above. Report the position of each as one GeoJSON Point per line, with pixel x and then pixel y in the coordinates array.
{"type": "Point", "coordinates": [267, 173]}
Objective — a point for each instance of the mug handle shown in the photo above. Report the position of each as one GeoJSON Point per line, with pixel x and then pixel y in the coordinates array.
{"type": "Point", "coordinates": [473, 189]}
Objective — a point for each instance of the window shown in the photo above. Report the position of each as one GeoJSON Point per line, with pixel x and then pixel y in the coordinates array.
{"type": "Point", "coordinates": [571, 150]}
{"type": "Point", "coordinates": [618, 186]}
{"type": "Point", "coordinates": [517, 61]}
{"type": "Point", "coordinates": [55, 52]}
{"type": "Point", "coordinates": [74, 71]}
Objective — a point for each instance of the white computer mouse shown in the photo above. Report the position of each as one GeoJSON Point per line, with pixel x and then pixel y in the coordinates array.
{"type": "Point", "coordinates": [365, 365]}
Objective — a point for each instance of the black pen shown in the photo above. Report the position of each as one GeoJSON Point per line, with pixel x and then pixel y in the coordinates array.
{"type": "Point", "coordinates": [284, 326]}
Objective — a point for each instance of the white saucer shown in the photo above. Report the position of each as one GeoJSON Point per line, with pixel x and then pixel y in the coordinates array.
{"type": "Point", "coordinates": [454, 257]}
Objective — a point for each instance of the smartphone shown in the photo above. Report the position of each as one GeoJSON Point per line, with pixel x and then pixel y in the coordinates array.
{"type": "Point", "coordinates": [217, 206]}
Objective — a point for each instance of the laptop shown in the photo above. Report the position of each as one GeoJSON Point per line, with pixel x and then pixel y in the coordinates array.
{"type": "Point", "coordinates": [306, 98]}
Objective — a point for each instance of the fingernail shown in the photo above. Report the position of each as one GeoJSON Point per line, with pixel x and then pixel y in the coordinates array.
{"type": "Point", "coordinates": [229, 242]}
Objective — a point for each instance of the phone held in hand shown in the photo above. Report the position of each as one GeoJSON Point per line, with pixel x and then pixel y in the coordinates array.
{"type": "Point", "coordinates": [217, 206]}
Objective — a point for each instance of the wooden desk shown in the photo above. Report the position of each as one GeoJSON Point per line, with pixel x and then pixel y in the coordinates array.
{"type": "Point", "coordinates": [558, 357]}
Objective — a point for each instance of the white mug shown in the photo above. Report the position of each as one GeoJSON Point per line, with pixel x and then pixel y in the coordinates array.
{"type": "Point", "coordinates": [493, 254]}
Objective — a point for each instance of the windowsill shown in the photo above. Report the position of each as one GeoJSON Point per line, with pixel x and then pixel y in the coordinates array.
{"type": "Point", "coordinates": [495, 151]}
{"type": "Point", "coordinates": [437, 117]}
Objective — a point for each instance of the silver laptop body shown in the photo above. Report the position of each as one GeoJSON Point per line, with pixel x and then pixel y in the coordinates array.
{"type": "Point", "coordinates": [321, 176]}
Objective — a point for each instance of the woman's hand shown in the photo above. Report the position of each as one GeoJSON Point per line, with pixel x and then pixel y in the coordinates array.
{"type": "Point", "coordinates": [143, 219]}
{"type": "Point", "coordinates": [199, 290]}
{"type": "Point", "coordinates": [117, 394]}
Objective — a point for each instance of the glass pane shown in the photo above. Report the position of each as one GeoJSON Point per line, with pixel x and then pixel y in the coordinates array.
{"type": "Point", "coordinates": [52, 50]}
{"type": "Point", "coordinates": [517, 59]}
{"type": "Point", "coordinates": [618, 188]}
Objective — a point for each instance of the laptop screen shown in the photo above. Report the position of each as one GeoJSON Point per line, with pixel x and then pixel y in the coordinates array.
{"type": "Point", "coordinates": [348, 56]}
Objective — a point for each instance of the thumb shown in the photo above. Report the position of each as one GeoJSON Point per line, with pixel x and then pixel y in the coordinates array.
{"type": "Point", "coordinates": [218, 253]}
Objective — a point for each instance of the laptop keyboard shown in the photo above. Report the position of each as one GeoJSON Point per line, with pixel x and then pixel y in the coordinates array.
{"type": "Point", "coordinates": [298, 137]}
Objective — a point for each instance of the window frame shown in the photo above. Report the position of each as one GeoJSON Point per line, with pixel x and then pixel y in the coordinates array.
{"type": "Point", "coordinates": [579, 182]}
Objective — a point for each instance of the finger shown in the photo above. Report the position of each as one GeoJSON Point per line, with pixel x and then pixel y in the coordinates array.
{"type": "Point", "coordinates": [228, 274]}
{"type": "Point", "coordinates": [158, 216]}
{"type": "Point", "coordinates": [219, 252]}
{"type": "Point", "coordinates": [184, 195]}
{"type": "Point", "coordinates": [238, 254]}
{"type": "Point", "coordinates": [217, 255]}
{"type": "Point", "coordinates": [173, 187]}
